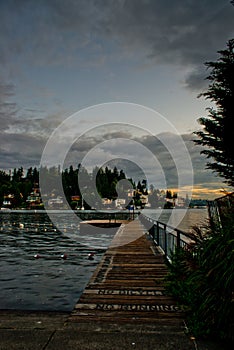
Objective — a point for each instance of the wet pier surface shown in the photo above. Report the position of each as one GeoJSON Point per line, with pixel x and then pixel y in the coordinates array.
{"type": "Point", "coordinates": [128, 284]}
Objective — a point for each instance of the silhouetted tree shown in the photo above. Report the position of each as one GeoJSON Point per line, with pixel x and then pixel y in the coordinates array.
{"type": "Point", "coordinates": [218, 131]}
{"type": "Point", "coordinates": [168, 194]}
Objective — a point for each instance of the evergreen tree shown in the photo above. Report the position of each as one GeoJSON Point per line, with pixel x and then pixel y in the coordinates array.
{"type": "Point", "coordinates": [121, 175]}
{"type": "Point", "coordinates": [154, 197]}
{"type": "Point", "coordinates": [218, 131]}
{"type": "Point", "coordinates": [168, 194]}
{"type": "Point", "coordinates": [35, 175]}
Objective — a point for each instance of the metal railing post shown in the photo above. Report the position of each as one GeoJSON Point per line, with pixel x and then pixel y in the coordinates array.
{"type": "Point", "coordinates": [157, 228]}
{"type": "Point", "coordinates": [165, 238]}
{"type": "Point", "coordinates": [153, 229]}
{"type": "Point", "coordinates": [177, 238]}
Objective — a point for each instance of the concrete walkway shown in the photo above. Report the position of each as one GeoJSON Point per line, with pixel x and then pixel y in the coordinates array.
{"type": "Point", "coordinates": [54, 331]}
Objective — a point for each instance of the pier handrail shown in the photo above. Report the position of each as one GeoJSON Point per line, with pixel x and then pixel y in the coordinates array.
{"type": "Point", "coordinates": [168, 238]}
{"type": "Point", "coordinates": [219, 210]}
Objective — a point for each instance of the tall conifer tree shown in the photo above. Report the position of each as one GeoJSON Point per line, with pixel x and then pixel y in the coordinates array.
{"type": "Point", "coordinates": [218, 128]}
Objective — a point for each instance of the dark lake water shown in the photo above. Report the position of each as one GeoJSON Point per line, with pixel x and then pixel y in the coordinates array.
{"type": "Point", "coordinates": [33, 273]}
{"type": "Point", "coordinates": [48, 282]}
{"type": "Point", "coordinates": [183, 219]}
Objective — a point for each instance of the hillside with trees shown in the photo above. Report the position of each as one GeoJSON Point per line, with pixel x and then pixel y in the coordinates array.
{"type": "Point", "coordinates": [20, 188]}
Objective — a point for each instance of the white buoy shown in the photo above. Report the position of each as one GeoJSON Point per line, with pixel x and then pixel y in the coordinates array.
{"type": "Point", "coordinates": [91, 256]}
{"type": "Point", "coordinates": [36, 256]}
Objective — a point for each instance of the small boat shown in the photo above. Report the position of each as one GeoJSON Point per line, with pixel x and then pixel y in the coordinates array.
{"type": "Point", "coordinates": [5, 209]}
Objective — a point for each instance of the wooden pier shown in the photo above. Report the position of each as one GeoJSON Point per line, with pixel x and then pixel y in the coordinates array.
{"type": "Point", "coordinates": [128, 284]}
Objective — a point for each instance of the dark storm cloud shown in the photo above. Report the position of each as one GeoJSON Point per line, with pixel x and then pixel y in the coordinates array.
{"type": "Point", "coordinates": [25, 150]}
{"type": "Point", "coordinates": [203, 177]}
{"type": "Point", "coordinates": [45, 32]}
{"type": "Point", "coordinates": [201, 174]}
{"type": "Point", "coordinates": [18, 150]}
{"type": "Point", "coordinates": [7, 108]}
{"type": "Point", "coordinates": [124, 156]}
{"type": "Point", "coordinates": [183, 33]}
{"type": "Point", "coordinates": [196, 80]}
{"type": "Point", "coordinates": [186, 33]}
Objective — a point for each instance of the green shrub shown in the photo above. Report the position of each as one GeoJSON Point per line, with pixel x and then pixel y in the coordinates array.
{"type": "Point", "coordinates": [202, 279]}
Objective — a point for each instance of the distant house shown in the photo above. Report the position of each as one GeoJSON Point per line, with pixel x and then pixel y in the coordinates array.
{"type": "Point", "coordinates": [34, 199]}
{"type": "Point", "coordinates": [107, 201]}
{"type": "Point", "coordinates": [55, 202]}
{"type": "Point", "coordinates": [131, 193]}
{"type": "Point", "coordinates": [180, 202]}
{"type": "Point", "coordinates": [75, 198]}
{"type": "Point", "coordinates": [120, 203]}
{"type": "Point", "coordinates": [8, 201]}
{"type": "Point", "coordinates": [144, 199]}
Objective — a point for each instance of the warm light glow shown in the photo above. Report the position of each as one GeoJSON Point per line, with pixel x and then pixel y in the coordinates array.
{"type": "Point", "coordinates": [202, 191]}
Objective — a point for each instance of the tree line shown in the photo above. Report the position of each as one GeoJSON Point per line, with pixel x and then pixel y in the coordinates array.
{"type": "Point", "coordinates": [18, 185]}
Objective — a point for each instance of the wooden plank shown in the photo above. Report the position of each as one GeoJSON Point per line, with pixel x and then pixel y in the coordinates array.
{"type": "Point", "coordinates": [128, 284]}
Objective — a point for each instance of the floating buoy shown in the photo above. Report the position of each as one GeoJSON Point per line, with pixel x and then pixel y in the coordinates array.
{"type": "Point", "coordinates": [91, 256]}
{"type": "Point", "coordinates": [36, 256]}
{"type": "Point", "coordinates": [64, 256]}
{"type": "Point", "coordinates": [21, 225]}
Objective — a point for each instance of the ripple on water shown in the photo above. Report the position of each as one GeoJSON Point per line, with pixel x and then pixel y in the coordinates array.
{"type": "Point", "coordinates": [48, 282]}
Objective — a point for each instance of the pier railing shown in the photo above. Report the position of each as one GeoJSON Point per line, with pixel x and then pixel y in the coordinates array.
{"type": "Point", "coordinates": [220, 209]}
{"type": "Point", "coordinates": [165, 236]}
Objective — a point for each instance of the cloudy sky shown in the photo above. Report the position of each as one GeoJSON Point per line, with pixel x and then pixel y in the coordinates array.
{"type": "Point", "coordinates": [59, 57]}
